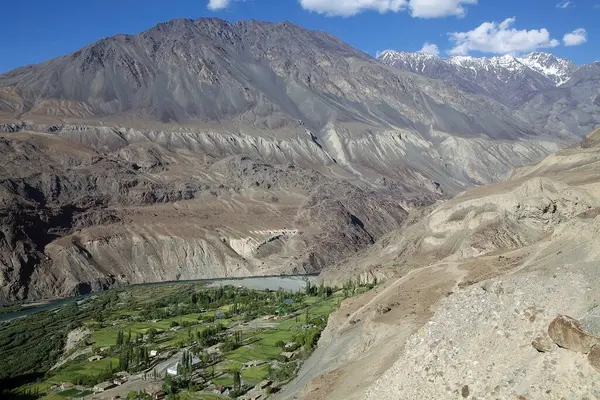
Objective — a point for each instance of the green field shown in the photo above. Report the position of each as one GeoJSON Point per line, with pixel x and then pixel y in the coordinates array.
{"type": "Point", "coordinates": [128, 323]}
{"type": "Point", "coordinates": [256, 374]}
{"type": "Point", "coordinates": [200, 396]}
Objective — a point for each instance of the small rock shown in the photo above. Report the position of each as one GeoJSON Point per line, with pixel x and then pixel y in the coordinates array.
{"type": "Point", "coordinates": [381, 309]}
{"type": "Point", "coordinates": [594, 357]}
{"type": "Point", "coordinates": [543, 343]}
{"type": "Point", "coordinates": [568, 333]}
{"type": "Point", "coordinates": [493, 287]}
{"type": "Point", "coordinates": [465, 391]}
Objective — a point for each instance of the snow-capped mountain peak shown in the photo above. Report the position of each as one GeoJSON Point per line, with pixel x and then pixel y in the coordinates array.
{"type": "Point", "coordinates": [415, 62]}
{"type": "Point", "coordinates": [558, 70]}
{"type": "Point", "coordinates": [508, 79]}
{"type": "Point", "coordinates": [506, 62]}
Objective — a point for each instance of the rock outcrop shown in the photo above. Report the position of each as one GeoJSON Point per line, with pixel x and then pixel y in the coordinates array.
{"type": "Point", "coordinates": [568, 333]}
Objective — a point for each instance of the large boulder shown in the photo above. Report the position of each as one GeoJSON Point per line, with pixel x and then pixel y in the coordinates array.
{"type": "Point", "coordinates": [594, 357]}
{"type": "Point", "coordinates": [569, 333]}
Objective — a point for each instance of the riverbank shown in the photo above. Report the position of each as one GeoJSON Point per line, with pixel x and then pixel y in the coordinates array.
{"type": "Point", "coordinates": [291, 283]}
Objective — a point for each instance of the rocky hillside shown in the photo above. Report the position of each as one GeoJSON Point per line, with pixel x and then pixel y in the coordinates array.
{"type": "Point", "coordinates": [89, 220]}
{"type": "Point", "coordinates": [501, 262]}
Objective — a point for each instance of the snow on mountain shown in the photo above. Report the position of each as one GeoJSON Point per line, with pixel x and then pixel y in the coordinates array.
{"type": "Point", "coordinates": [414, 62]}
{"type": "Point", "coordinates": [498, 65]}
{"type": "Point", "coordinates": [559, 70]}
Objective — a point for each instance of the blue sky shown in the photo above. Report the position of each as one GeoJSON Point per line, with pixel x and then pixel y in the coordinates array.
{"type": "Point", "coordinates": [36, 30]}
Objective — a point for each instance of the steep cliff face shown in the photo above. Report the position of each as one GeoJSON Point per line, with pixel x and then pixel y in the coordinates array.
{"type": "Point", "coordinates": [89, 220]}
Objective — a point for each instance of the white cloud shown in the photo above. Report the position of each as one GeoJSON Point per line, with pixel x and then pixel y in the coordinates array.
{"type": "Point", "coordinates": [216, 5]}
{"type": "Point", "coordinates": [348, 8]}
{"type": "Point", "coordinates": [438, 8]}
{"type": "Point", "coordinates": [430, 48]}
{"type": "Point", "coordinates": [575, 38]}
{"type": "Point", "coordinates": [563, 4]}
{"type": "Point", "coordinates": [418, 8]}
{"type": "Point", "coordinates": [502, 38]}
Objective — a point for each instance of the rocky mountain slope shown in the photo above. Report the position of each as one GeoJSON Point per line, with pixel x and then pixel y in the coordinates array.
{"type": "Point", "coordinates": [536, 87]}
{"type": "Point", "coordinates": [297, 89]}
{"type": "Point", "coordinates": [506, 78]}
{"type": "Point", "coordinates": [572, 107]}
{"type": "Point", "coordinates": [88, 220]}
{"type": "Point", "coordinates": [500, 262]}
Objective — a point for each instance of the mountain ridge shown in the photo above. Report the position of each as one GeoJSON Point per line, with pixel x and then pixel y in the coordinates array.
{"type": "Point", "coordinates": [536, 86]}
{"type": "Point", "coordinates": [557, 70]}
{"type": "Point", "coordinates": [278, 80]}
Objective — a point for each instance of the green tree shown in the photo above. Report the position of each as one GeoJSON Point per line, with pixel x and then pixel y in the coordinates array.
{"type": "Point", "coordinates": [152, 334]}
{"type": "Point", "coordinates": [127, 339]}
{"type": "Point", "coordinates": [237, 380]}
{"type": "Point", "coordinates": [119, 338]}
{"type": "Point", "coordinates": [168, 385]}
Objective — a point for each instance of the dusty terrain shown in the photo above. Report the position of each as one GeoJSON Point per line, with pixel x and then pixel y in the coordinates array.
{"type": "Point", "coordinates": [461, 324]}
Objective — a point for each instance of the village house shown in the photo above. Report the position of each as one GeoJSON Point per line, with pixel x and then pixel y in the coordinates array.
{"type": "Point", "coordinates": [101, 387]}
{"type": "Point", "coordinates": [120, 381]}
{"type": "Point", "coordinates": [222, 390]}
{"type": "Point", "coordinates": [173, 370]}
{"type": "Point", "coordinates": [95, 358]}
{"type": "Point", "coordinates": [155, 391]}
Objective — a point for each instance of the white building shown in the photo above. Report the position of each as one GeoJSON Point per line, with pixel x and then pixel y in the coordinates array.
{"type": "Point", "coordinates": [173, 370]}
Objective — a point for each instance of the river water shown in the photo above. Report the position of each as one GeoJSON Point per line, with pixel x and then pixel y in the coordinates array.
{"type": "Point", "coordinates": [293, 283]}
